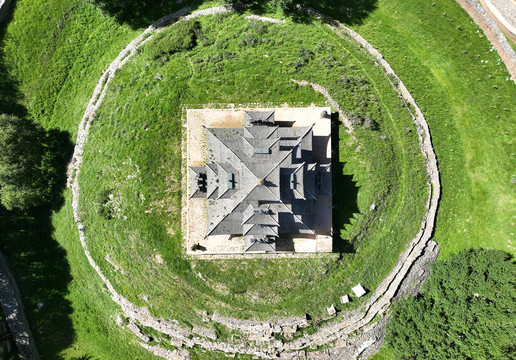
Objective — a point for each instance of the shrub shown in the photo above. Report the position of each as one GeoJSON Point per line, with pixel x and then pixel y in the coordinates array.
{"type": "Point", "coordinates": [466, 311]}
{"type": "Point", "coordinates": [249, 39]}
{"type": "Point", "coordinates": [179, 38]}
{"type": "Point", "coordinates": [105, 206]}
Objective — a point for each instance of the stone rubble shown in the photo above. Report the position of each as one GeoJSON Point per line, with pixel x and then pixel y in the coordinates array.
{"type": "Point", "coordinates": [137, 331]}
{"type": "Point", "coordinates": [266, 19]}
{"type": "Point", "coordinates": [12, 308]}
{"type": "Point", "coordinates": [205, 332]}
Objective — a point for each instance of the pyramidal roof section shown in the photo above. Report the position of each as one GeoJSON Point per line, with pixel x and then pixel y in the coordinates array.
{"type": "Point", "coordinates": [259, 176]}
{"type": "Point", "coordinates": [265, 116]}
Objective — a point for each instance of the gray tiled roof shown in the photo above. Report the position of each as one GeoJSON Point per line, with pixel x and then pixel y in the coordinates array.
{"type": "Point", "coordinates": [260, 181]}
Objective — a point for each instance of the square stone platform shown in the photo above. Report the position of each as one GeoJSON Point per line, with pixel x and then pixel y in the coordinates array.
{"type": "Point", "coordinates": [194, 210]}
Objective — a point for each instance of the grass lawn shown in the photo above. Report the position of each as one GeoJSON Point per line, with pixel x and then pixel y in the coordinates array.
{"type": "Point", "coordinates": [433, 47]}
{"type": "Point", "coordinates": [470, 107]}
{"type": "Point", "coordinates": [130, 183]}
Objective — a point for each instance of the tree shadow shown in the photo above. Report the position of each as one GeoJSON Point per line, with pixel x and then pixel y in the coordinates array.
{"type": "Point", "coordinates": [349, 12]}
{"type": "Point", "coordinates": [345, 193]}
{"type": "Point", "coordinates": [83, 357]}
{"type": "Point", "coordinates": [36, 259]}
{"type": "Point", "coordinates": [142, 13]}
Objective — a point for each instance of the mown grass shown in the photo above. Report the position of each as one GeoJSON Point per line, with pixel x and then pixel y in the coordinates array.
{"type": "Point", "coordinates": [134, 156]}
{"type": "Point", "coordinates": [469, 106]}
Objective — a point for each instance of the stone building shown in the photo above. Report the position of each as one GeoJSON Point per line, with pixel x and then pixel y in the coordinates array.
{"type": "Point", "coordinates": [260, 181]}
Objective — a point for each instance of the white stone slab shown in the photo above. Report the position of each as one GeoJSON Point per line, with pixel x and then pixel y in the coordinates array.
{"type": "Point", "coordinates": [359, 291]}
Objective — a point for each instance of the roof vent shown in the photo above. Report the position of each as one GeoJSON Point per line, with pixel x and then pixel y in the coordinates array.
{"type": "Point", "coordinates": [261, 150]}
{"type": "Point", "coordinates": [231, 180]}
{"type": "Point", "coordinates": [292, 181]}
{"type": "Point", "coordinates": [260, 211]}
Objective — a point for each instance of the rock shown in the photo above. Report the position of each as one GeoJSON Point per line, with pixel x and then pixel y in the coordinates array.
{"type": "Point", "coordinates": [331, 310]}
{"type": "Point", "coordinates": [138, 332]}
{"type": "Point", "coordinates": [359, 290]}
{"type": "Point", "coordinates": [206, 332]}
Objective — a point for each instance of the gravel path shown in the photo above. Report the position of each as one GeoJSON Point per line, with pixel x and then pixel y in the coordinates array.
{"type": "Point", "coordinates": [505, 12]}
{"type": "Point", "coordinates": [493, 33]}
{"type": "Point", "coordinates": [347, 323]}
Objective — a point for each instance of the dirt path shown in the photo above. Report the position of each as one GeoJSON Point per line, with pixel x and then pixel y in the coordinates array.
{"type": "Point", "coordinates": [488, 25]}
{"type": "Point", "coordinates": [266, 346]}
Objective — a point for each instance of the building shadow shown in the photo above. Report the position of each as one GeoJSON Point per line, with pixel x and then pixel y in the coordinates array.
{"type": "Point", "coordinates": [345, 193]}
{"type": "Point", "coordinates": [36, 259]}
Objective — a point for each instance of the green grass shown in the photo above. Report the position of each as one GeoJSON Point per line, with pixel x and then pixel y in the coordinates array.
{"type": "Point", "coordinates": [49, 69]}
{"type": "Point", "coordinates": [134, 154]}
{"type": "Point", "coordinates": [51, 77]}
{"type": "Point", "coordinates": [469, 106]}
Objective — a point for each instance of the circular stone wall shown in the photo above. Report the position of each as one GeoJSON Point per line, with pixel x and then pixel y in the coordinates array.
{"type": "Point", "coordinates": [131, 176]}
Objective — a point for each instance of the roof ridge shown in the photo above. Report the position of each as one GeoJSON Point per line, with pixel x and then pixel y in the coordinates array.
{"type": "Point", "coordinates": [300, 139]}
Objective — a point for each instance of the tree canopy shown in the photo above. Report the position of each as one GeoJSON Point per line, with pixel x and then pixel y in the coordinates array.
{"type": "Point", "coordinates": [465, 311]}
{"type": "Point", "coordinates": [20, 162]}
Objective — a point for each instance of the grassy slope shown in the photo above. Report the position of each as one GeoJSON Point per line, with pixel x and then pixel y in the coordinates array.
{"type": "Point", "coordinates": [470, 109]}
{"type": "Point", "coordinates": [426, 57]}
{"type": "Point", "coordinates": [142, 114]}
{"type": "Point", "coordinates": [49, 49]}
{"type": "Point", "coordinates": [463, 100]}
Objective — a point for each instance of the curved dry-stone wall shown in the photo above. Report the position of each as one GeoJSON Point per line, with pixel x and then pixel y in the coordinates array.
{"type": "Point", "coordinates": [264, 344]}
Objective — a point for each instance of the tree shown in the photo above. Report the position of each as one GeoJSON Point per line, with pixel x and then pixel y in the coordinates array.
{"type": "Point", "coordinates": [21, 154]}
{"type": "Point", "coordinates": [467, 310]}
